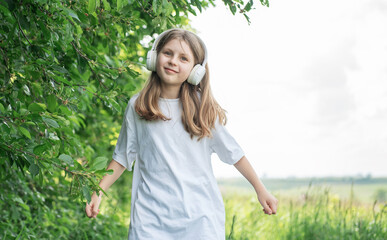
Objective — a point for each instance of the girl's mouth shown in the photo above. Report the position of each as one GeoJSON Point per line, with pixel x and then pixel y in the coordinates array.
{"type": "Point", "coordinates": [170, 70]}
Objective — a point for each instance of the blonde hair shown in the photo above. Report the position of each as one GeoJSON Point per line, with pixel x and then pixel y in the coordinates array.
{"type": "Point", "coordinates": [199, 112]}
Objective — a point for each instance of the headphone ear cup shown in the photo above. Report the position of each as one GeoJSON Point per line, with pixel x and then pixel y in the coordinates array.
{"type": "Point", "coordinates": [196, 74]}
{"type": "Point", "coordinates": [151, 59]}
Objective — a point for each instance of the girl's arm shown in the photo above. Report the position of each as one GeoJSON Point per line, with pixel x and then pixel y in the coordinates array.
{"type": "Point", "coordinates": [92, 209]}
{"type": "Point", "coordinates": [268, 201]}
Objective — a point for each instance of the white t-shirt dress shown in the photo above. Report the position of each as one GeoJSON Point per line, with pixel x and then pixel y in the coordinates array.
{"type": "Point", "coordinates": [174, 192]}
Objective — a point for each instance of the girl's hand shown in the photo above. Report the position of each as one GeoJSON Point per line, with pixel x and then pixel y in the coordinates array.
{"type": "Point", "coordinates": [268, 202]}
{"type": "Point", "coordinates": [92, 209]}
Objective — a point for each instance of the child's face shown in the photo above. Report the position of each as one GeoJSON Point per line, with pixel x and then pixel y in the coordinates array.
{"type": "Point", "coordinates": [174, 62]}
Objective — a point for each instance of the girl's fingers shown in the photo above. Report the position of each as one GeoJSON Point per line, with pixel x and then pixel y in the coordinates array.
{"type": "Point", "coordinates": [274, 207]}
{"type": "Point", "coordinates": [266, 208]}
{"type": "Point", "coordinates": [265, 211]}
{"type": "Point", "coordinates": [88, 210]}
{"type": "Point", "coordinates": [92, 209]}
{"type": "Point", "coordinates": [95, 212]}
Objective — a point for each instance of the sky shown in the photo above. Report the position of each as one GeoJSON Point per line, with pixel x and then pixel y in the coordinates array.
{"type": "Point", "coordinates": [304, 85]}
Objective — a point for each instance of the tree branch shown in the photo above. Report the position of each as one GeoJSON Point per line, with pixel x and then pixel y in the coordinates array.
{"type": "Point", "coordinates": [21, 28]}
{"type": "Point", "coordinates": [72, 172]}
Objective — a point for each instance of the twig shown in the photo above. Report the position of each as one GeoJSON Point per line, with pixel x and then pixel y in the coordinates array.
{"type": "Point", "coordinates": [143, 8]}
{"type": "Point", "coordinates": [21, 28]}
{"type": "Point", "coordinates": [94, 62]}
{"type": "Point", "coordinates": [43, 159]}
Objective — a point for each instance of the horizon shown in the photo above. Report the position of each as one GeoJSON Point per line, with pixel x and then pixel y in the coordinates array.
{"type": "Point", "coordinates": [309, 177]}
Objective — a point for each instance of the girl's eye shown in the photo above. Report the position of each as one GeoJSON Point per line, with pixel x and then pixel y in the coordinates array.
{"type": "Point", "coordinates": [167, 53]}
{"type": "Point", "coordinates": [184, 59]}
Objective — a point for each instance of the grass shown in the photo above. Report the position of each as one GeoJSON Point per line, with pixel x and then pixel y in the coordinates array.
{"type": "Point", "coordinates": [315, 214]}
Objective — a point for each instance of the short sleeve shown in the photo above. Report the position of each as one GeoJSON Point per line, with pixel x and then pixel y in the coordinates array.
{"type": "Point", "coordinates": [125, 151]}
{"type": "Point", "coordinates": [224, 145]}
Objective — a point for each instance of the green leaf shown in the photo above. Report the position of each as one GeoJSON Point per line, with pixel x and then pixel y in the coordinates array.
{"type": "Point", "coordinates": [67, 159]}
{"type": "Point", "coordinates": [106, 5]}
{"type": "Point", "coordinates": [99, 163]}
{"type": "Point", "coordinates": [191, 11]}
{"type": "Point", "coordinates": [51, 103]}
{"type": "Point", "coordinates": [59, 69]}
{"type": "Point", "coordinates": [51, 122]}
{"type": "Point", "coordinates": [23, 111]}
{"type": "Point", "coordinates": [65, 110]}
{"type": "Point", "coordinates": [40, 177]}
{"type": "Point", "coordinates": [247, 18]}
{"type": "Point", "coordinates": [26, 90]}
{"type": "Point", "coordinates": [154, 6]}
{"type": "Point", "coordinates": [38, 150]}
{"type": "Point", "coordinates": [37, 107]}
{"type": "Point", "coordinates": [63, 80]}
{"type": "Point", "coordinates": [15, 114]}
{"type": "Point", "coordinates": [35, 117]}
{"type": "Point", "coordinates": [37, 88]}
{"type": "Point", "coordinates": [233, 9]}
{"type": "Point", "coordinates": [2, 109]}
{"type": "Point", "coordinates": [71, 13]}
{"type": "Point", "coordinates": [25, 206]}
{"type": "Point", "coordinates": [25, 132]}
{"type": "Point", "coordinates": [119, 5]}
{"type": "Point", "coordinates": [198, 5]}
{"type": "Point", "coordinates": [167, 7]}
{"type": "Point", "coordinates": [52, 136]}
{"type": "Point", "coordinates": [159, 9]}
{"type": "Point", "coordinates": [86, 193]}
{"type": "Point", "coordinates": [6, 13]}
{"type": "Point", "coordinates": [34, 169]}
{"type": "Point", "coordinates": [248, 6]}
{"type": "Point", "coordinates": [92, 6]}
{"type": "Point", "coordinates": [114, 104]}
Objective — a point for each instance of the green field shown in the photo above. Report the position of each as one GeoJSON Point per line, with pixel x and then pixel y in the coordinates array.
{"type": "Point", "coordinates": [326, 208]}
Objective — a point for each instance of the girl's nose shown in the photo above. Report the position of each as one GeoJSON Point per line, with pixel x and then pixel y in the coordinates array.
{"type": "Point", "coordinates": [173, 61]}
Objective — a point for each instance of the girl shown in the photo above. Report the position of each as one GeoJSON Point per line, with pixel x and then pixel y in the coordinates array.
{"type": "Point", "coordinates": [171, 128]}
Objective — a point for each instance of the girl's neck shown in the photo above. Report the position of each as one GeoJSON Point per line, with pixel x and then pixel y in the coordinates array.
{"type": "Point", "coordinates": [171, 92]}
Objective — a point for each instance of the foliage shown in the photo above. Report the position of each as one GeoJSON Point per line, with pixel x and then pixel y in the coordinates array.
{"type": "Point", "coordinates": [68, 69]}
{"type": "Point", "coordinates": [35, 211]}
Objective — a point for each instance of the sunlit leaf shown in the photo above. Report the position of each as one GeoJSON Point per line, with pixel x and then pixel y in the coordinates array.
{"type": "Point", "coordinates": [37, 107]}
{"type": "Point", "coordinates": [51, 103]}
{"type": "Point", "coordinates": [66, 159]}
{"type": "Point", "coordinates": [86, 193]}
{"type": "Point", "coordinates": [51, 122]}
{"type": "Point", "coordinates": [25, 132]}
{"type": "Point", "coordinates": [106, 5]}
{"type": "Point", "coordinates": [99, 163]}
{"type": "Point", "coordinates": [92, 6]}
{"type": "Point", "coordinates": [2, 109]}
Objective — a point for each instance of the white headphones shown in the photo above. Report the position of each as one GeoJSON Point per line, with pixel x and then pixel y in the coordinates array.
{"type": "Point", "coordinates": [198, 71]}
